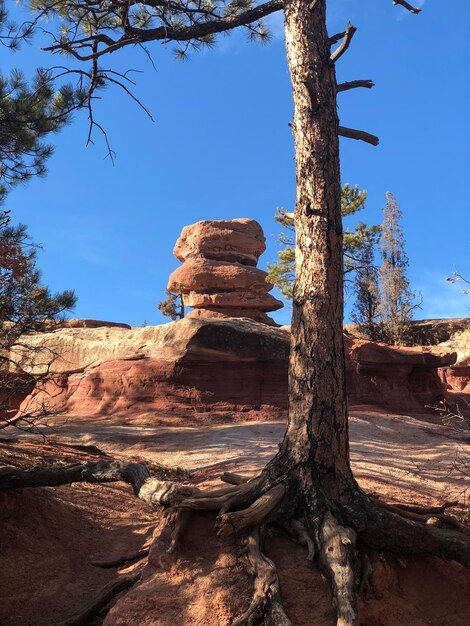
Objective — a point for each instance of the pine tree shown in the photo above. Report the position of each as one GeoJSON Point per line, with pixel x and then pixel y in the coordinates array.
{"type": "Point", "coordinates": [282, 273]}
{"type": "Point", "coordinates": [396, 300]}
{"type": "Point", "coordinates": [308, 486]}
{"type": "Point", "coordinates": [173, 306]}
{"type": "Point", "coordinates": [26, 306]}
{"type": "Point", "coordinates": [28, 114]}
{"type": "Point", "coordinates": [365, 287]}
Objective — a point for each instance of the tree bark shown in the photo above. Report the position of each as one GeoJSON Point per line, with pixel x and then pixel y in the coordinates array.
{"type": "Point", "coordinates": [317, 434]}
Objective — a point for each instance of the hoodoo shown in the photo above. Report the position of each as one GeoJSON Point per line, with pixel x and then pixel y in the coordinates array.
{"type": "Point", "coordinates": [219, 277]}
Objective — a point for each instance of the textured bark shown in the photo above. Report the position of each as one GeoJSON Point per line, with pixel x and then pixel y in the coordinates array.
{"type": "Point", "coordinates": [317, 434]}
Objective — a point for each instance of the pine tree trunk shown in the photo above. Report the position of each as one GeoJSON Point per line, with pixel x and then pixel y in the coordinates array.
{"type": "Point", "coordinates": [317, 433]}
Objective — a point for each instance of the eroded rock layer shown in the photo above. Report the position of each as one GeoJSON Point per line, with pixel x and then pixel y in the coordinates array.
{"type": "Point", "coordinates": [213, 367]}
{"type": "Point", "coordinates": [219, 277]}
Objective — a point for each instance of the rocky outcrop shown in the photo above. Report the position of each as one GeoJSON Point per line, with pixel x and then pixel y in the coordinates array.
{"type": "Point", "coordinates": [188, 367]}
{"type": "Point", "coordinates": [219, 277]}
{"type": "Point", "coordinates": [399, 379]}
{"type": "Point", "coordinates": [456, 378]}
{"type": "Point", "coordinates": [206, 369]}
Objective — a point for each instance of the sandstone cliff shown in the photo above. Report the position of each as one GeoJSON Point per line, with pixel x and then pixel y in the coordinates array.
{"type": "Point", "coordinates": [218, 366]}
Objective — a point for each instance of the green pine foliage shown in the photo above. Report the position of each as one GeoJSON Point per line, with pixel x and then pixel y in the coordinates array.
{"type": "Point", "coordinates": [26, 306]}
{"type": "Point", "coordinates": [282, 273]}
{"type": "Point", "coordinates": [29, 112]}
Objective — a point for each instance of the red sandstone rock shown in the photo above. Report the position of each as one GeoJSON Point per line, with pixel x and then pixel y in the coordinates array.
{"type": "Point", "coordinates": [240, 240]}
{"type": "Point", "coordinates": [232, 300]}
{"type": "Point", "coordinates": [220, 313]}
{"type": "Point", "coordinates": [86, 323]}
{"type": "Point", "coordinates": [218, 278]}
{"type": "Point", "coordinates": [210, 366]}
{"type": "Point", "coordinates": [206, 276]}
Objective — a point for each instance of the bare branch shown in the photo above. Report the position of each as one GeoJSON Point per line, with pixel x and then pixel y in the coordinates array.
{"type": "Point", "coordinates": [360, 135]}
{"type": "Point", "coordinates": [355, 84]}
{"type": "Point", "coordinates": [335, 38]}
{"type": "Point", "coordinates": [407, 6]}
{"type": "Point", "coordinates": [344, 45]}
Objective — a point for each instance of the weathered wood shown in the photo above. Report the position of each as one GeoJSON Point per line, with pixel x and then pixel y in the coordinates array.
{"type": "Point", "coordinates": [266, 606]}
{"type": "Point", "coordinates": [337, 556]}
{"type": "Point", "coordinates": [254, 515]}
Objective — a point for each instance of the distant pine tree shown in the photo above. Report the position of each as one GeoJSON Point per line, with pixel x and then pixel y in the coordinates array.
{"type": "Point", "coordinates": [396, 300]}
{"type": "Point", "coordinates": [26, 306]}
{"type": "Point", "coordinates": [282, 273]}
{"type": "Point", "coordinates": [365, 287]}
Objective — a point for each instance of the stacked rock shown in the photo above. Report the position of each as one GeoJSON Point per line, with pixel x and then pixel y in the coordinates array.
{"type": "Point", "coordinates": [219, 277]}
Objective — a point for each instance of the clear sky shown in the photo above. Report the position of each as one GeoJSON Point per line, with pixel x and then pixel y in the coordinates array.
{"type": "Point", "coordinates": [220, 147]}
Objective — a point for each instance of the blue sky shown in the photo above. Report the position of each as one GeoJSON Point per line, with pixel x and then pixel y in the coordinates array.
{"type": "Point", "coordinates": [220, 147]}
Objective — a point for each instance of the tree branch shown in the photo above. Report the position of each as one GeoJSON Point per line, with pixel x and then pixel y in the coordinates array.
{"type": "Point", "coordinates": [134, 36]}
{"type": "Point", "coordinates": [355, 84]}
{"type": "Point", "coordinates": [344, 45]}
{"type": "Point", "coordinates": [407, 6]}
{"type": "Point", "coordinates": [360, 135]}
{"type": "Point", "coordinates": [335, 38]}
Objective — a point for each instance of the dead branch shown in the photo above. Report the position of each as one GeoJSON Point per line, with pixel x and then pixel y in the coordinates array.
{"type": "Point", "coordinates": [344, 45]}
{"type": "Point", "coordinates": [360, 135]}
{"type": "Point", "coordinates": [407, 6]}
{"type": "Point", "coordinates": [355, 84]}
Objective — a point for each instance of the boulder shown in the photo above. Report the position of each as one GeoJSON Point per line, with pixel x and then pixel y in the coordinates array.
{"type": "Point", "coordinates": [240, 240]}
{"type": "Point", "coordinates": [232, 300]}
{"type": "Point", "coordinates": [220, 313]}
{"type": "Point", "coordinates": [206, 276]}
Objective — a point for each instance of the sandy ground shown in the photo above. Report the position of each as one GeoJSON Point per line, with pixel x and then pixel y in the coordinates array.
{"type": "Point", "coordinates": [398, 452]}
{"type": "Point", "coordinates": [49, 537]}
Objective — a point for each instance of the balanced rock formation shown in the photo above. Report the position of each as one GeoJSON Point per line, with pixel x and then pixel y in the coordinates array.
{"type": "Point", "coordinates": [219, 277]}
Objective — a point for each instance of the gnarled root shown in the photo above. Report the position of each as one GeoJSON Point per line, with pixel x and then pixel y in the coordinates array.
{"type": "Point", "coordinates": [337, 557]}
{"type": "Point", "coordinates": [277, 495]}
{"type": "Point", "coordinates": [254, 515]}
{"type": "Point", "coordinates": [122, 560]}
{"type": "Point", "coordinates": [434, 515]}
{"type": "Point", "coordinates": [266, 604]}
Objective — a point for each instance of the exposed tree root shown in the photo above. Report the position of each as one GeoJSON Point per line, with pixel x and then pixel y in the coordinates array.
{"type": "Point", "coordinates": [254, 515]}
{"type": "Point", "coordinates": [337, 555]}
{"type": "Point", "coordinates": [297, 529]}
{"type": "Point", "coordinates": [266, 606]}
{"type": "Point", "coordinates": [427, 510]}
{"type": "Point", "coordinates": [426, 515]}
{"type": "Point", "coordinates": [125, 581]}
{"type": "Point", "coordinates": [329, 529]}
